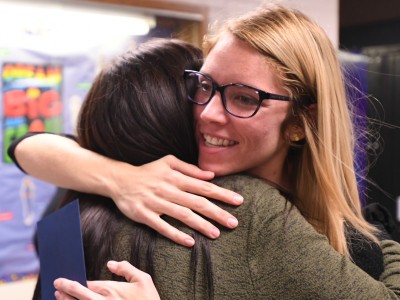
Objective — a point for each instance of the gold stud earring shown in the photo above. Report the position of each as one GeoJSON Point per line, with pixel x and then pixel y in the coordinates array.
{"type": "Point", "coordinates": [295, 137]}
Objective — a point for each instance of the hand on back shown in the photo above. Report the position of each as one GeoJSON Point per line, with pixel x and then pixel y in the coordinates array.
{"type": "Point", "coordinates": [172, 187]}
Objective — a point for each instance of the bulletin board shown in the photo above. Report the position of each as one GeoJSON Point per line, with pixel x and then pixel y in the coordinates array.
{"type": "Point", "coordinates": [31, 96]}
{"type": "Point", "coordinates": [38, 93]}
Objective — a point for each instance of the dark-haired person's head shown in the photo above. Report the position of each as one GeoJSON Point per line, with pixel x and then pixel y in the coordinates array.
{"type": "Point", "coordinates": [137, 110]}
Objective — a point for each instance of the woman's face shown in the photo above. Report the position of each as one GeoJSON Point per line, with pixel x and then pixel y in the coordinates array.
{"type": "Point", "coordinates": [228, 144]}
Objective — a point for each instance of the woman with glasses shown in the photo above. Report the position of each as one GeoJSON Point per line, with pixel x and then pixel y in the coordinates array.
{"type": "Point", "coordinates": [269, 102]}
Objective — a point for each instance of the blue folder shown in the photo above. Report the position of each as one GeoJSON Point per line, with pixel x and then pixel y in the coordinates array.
{"type": "Point", "coordinates": [60, 248]}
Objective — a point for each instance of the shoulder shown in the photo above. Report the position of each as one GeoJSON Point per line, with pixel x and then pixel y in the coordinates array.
{"type": "Point", "coordinates": [267, 210]}
{"type": "Point", "coordinates": [247, 185]}
{"type": "Point", "coordinates": [257, 193]}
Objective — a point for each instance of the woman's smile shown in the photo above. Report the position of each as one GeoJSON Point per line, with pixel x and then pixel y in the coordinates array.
{"type": "Point", "coordinates": [213, 141]}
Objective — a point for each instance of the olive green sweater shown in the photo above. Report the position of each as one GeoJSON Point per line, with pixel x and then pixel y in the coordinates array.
{"type": "Point", "coordinates": [273, 254]}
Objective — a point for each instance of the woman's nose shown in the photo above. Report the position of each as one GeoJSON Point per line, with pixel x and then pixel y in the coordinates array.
{"type": "Point", "coordinates": [214, 111]}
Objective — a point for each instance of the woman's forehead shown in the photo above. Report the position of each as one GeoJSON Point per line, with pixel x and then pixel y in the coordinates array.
{"type": "Point", "coordinates": [229, 53]}
{"type": "Point", "coordinates": [234, 61]}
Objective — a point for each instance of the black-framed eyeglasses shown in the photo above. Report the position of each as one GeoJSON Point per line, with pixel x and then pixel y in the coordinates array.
{"type": "Point", "coordinates": [239, 100]}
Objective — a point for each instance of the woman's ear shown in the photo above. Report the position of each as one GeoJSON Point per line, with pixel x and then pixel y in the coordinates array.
{"type": "Point", "coordinates": [295, 133]}
{"type": "Point", "coordinates": [313, 112]}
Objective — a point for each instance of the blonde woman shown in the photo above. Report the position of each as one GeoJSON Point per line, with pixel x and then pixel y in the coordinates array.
{"type": "Point", "coordinates": [269, 102]}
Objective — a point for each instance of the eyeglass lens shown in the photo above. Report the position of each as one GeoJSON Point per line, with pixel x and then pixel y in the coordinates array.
{"type": "Point", "coordinates": [238, 100]}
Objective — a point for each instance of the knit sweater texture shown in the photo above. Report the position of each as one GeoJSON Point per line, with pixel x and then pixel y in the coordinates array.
{"type": "Point", "coordinates": [274, 253]}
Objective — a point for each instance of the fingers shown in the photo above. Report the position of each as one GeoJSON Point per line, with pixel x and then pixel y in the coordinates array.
{"type": "Point", "coordinates": [188, 217]}
{"type": "Point", "coordinates": [68, 289]}
{"type": "Point", "coordinates": [189, 194]}
{"type": "Point", "coordinates": [140, 284]}
{"type": "Point", "coordinates": [128, 271]}
{"type": "Point", "coordinates": [154, 221]}
{"type": "Point", "coordinates": [210, 190]}
{"type": "Point", "coordinates": [185, 215]}
{"type": "Point", "coordinates": [149, 214]}
{"type": "Point", "coordinates": [171, 187]}
{"type": "Point", "coordinates": [204, 207]}
{"type": "Point", "coordinates": [122, 268]}
{"type": "Point", "coordinates": [63, 296]}
{"type": "Point", "coordinates": [191, 180]}
{"type": "Point", "coordinates": [188, 169]}
{"type": "Point", "coordinates": [185, 207]}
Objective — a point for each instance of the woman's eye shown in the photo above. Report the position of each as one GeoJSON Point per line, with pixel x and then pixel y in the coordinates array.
{"type": "Point", "coordinates": [246, 100]}
{"type": "Point", "coordinates": [205, 86]}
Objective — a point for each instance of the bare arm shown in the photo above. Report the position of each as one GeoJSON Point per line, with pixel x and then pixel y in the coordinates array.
{"type": "Point", "coordinates": [166, 186]}
{"type": "Point", "coordinates": [62, 162]}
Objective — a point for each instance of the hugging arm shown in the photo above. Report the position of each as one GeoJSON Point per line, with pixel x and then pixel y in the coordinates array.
{"type": "Point", "coordinates": [166, 186]}
{"type": "Point", "coordinates": [311, 267]}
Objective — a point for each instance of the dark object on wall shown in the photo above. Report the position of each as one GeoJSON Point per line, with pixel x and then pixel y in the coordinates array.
{"type": "Point", "coordinates": [384, 86]}
{"type": "Point", "coordinates": [374, 31]}
{"type": "Point", "coordinates": [378, 215]}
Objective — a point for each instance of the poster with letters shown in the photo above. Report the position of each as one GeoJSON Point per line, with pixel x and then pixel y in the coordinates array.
{"type": "Point", "coordinates": [31, 100]}
{"type": "Point", "coordinates": [39, 92]}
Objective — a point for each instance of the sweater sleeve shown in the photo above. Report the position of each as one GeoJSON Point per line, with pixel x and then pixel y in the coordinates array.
{"type": "Point", "coordinates": [293, 261]}
{"type": "Point", "coordinates": [391, 260]}
{"type": "Point", "coordinates": [14, 144]}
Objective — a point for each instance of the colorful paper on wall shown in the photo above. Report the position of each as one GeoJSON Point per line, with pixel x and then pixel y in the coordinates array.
{"type": "Point", "coordinates": [38, 92]}
{"type": "Point", "coordinates": [31, 100]}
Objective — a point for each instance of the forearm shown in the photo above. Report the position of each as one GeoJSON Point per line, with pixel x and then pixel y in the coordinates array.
{"type": "Point", "coordinates": [166, 186]}
{"type": "Point", "coordinates": [62, 162]}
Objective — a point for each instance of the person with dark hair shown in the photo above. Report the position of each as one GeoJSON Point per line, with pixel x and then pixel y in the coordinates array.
{"type": "Point", "coordinates": [269, 106]}
{"type": "Point", "coordinates": [135, 112]}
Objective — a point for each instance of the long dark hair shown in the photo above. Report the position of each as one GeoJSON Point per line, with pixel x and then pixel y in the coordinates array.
{"type": "Point", "coordinates": [136, 112]}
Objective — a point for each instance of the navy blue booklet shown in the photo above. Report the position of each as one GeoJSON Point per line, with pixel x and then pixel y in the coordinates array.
{"type": "Point", "coordinates": [61, 248]}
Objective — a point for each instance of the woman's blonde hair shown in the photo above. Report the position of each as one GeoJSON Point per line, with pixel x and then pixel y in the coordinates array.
{"type": "Point", "coordinates": [325, 185]}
